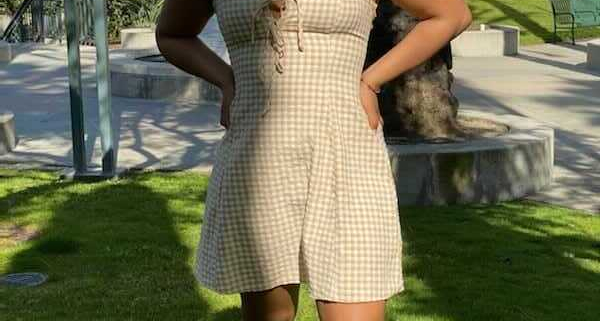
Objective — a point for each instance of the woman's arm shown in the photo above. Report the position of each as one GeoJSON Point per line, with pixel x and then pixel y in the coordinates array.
{"type": "Point", "coordinates": [179, 24]}
{"type": "Point", "coordinates": [441, 21]}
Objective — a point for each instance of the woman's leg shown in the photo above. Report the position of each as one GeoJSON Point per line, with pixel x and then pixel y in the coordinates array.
{"type": "Point", "coordinates": [340, 311]}
{"type": "Point", "coordinates": [276, 304]}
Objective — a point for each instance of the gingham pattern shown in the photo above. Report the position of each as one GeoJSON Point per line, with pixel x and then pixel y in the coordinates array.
{"type": "Point", "coordinates": [303, 192]}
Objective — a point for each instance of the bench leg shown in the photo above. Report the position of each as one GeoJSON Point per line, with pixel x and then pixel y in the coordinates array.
{"type": "Point", "coordinates": [573, 32]}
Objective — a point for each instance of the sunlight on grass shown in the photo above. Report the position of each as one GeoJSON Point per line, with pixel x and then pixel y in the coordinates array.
{"type": "Point", "coordinates": [124, 250]}
{"type": "Point", "coordinates": [534, 17]}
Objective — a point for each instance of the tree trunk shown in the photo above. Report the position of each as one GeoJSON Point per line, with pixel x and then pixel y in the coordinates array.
{"type": "Point", "coordinates": [417, 105]}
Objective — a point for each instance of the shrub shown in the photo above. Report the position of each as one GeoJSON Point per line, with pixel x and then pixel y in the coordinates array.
{"type": "Point", "coordinates": [9, 7]}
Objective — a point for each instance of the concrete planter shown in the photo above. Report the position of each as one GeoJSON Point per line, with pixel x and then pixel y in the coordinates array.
{"type": "Point", "coordinates": [8, 139]}
{"type": "Point", "coordinates": [485, 170]}
{"type": "Point", "coordinates": [138, 38]}
{"type": "Point", "coordinates": [488, 41]}
{"type": "Point", "coordinates": [138, 78]}
{"type": "Point", "coordinates": [134, 78]}
{"type": "Point", "coordinates": [6, 52]}
{"type": "Point", "coordinates": [593, 55]}
{"type": "Point", "coordinates": [4, 20]}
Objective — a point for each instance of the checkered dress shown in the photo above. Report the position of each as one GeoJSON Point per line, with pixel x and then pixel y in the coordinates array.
{"type": "Point", "coordinates": [301, 189]}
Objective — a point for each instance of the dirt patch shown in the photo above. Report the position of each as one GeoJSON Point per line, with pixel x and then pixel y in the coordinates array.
{"type": "Point", "coordinates": [11, 234]}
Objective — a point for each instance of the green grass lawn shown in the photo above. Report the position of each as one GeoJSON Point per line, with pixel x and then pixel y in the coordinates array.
{"type": "Point", "coordinates": [534, 17]}
{"type": "Point", "coordinates": [124, 249]}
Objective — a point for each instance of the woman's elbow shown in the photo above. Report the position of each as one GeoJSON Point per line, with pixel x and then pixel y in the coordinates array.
{"type": "Point", "coordinates": [466, 19]}
{"type": "Point", "coordinates": [161, 39]}
{"type": "Point", "coordinates": [456, 14]}
{"type": "Point", "coordinates": [462, 16]}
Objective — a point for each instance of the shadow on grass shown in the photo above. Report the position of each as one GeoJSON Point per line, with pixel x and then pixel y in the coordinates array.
{"type": "Point", "coordinates": [114, 250]}
{"type": "Point", "coordinates": [509, 261]}
{"type": "Point", "coordinates": [522, 19]}
{"type": "Point", "coordinates": [534, 27]}
{"type": "Point", "coordinates": [123, 251]}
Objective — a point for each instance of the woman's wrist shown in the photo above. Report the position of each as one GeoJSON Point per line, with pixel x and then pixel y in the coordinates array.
{"type": "Point", "coordinates": [371, 88]}
{"type": "Point", "coordinates": [228, 81]}
{"type": "Point", "coordinates": [373, 84]}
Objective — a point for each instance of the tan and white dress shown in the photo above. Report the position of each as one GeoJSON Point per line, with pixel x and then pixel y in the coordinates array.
{"type": "Point", "coordinates": [301, 189]}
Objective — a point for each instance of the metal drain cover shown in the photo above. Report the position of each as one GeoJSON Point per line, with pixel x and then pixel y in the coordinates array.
{"type": "Point", "coordinates": [23, 279]}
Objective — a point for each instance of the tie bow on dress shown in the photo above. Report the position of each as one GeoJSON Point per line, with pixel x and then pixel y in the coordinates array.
{"type": "Point", "coordinates": [275, 36]}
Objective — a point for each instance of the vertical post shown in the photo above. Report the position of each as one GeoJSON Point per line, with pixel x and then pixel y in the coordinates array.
{"type": "Point", "coordinates": [103, 85]}
{"type": "Point", "coordinates": [37, 20]}
{"type": "Point", "coordinates": [74, 70]}
{"type": "Point", "coordinates": [573, 30]}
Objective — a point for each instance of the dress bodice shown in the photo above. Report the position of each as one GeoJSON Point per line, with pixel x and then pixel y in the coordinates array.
{"type": "Point", "coordinates": [238, 17]}
{"type": "Point", "coordinates": [259, 43]}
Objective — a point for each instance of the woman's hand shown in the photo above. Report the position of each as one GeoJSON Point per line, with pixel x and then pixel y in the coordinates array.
{"type": "Point", "coordinates": [370, 106]}
{"type": "Point", "coordinates": [228, 93]}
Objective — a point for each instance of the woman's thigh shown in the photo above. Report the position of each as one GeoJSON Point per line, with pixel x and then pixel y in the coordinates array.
{"type": "Point", "coordinates": [278, 303]}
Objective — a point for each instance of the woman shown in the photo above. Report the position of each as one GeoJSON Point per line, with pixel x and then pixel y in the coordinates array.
{"type": "Point", "coordinates": [301, 189]}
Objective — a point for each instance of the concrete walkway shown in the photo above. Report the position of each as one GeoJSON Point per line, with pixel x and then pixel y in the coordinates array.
{"type": "Point", "coordinates": [546, 82]}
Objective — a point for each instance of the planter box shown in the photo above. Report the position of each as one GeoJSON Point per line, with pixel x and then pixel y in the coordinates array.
{"type": "Point", "coordinates": [138, 38]}
{"type": "Point", "coordinates": [483, 170]}
{"type": "Point", "coordinates": [488, 41]}
{"type": "Point", "coordinates": [593, 55]}
{"type": "Point", "coordinates": [6, 52]}
{"type": "Point", "coordinates": [4, 20]}
{"type": "Point", "coordinates": [8, 139]}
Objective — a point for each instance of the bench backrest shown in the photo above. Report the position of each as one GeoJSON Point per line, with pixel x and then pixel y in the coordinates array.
{"type": "Point", "coordinates": [584, 5]}
{"type": "Point", "coordinates": [561, 6]}
{"type": "Point", "coordinates": [585, 12]}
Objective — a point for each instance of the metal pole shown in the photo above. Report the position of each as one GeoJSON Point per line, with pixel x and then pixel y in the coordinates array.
{"type": "Point", "coordinates": [37, 20]}
{"type": "Point", "coordinates": [103, 85]}
{"type": "Point", "coordinates": [74, 71]}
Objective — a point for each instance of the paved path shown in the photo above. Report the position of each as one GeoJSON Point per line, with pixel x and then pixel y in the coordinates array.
{"type": "Point", "coordinates": [546, 82]}
{"type": "Point", "coordinates": [549, 83]}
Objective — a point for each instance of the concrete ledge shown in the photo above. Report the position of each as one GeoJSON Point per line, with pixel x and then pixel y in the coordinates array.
{"type": "Point", "coordinates": [138, 38]}
{"type": "Point", "coordinates": [55, 41]}
{"type": "Point", "coordinates": [6, 52]}
{"type": "Point", "coordinates": [485, 170]}
{"type": "Point", "coordinates": [488, 41]}
{"type": "Point", "coordinates": [134, 78]}
{"type": "Point", "coordinates": [593, 55]}
{"type": "Point", "coordinates": [154, 80]}
{"type": "Point", "coordinates": [8, 139]}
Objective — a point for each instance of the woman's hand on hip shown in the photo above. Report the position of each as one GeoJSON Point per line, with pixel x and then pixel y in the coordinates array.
{"type": "Point", "coordinates": [370, 106]}
{"type": "Point", "coordinates": [228, 93]}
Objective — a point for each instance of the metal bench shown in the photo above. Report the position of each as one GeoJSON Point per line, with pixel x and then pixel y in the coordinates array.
{"type": "Point", "coordinates": [570, 14]}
